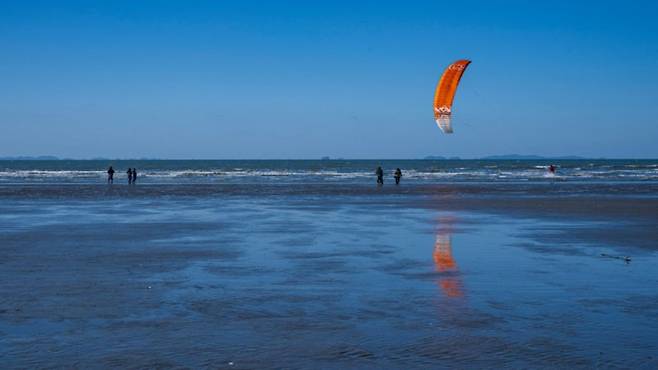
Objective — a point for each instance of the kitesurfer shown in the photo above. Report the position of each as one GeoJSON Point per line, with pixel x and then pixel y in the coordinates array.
{"type": "Point", "coordinates": [380, 175]}
{"type": "Point", "coordinates": [110, 175]}
{"type": "Point", "coordinates": [130, 175]}
{"type": "Point", "coordinates": [397, 175]}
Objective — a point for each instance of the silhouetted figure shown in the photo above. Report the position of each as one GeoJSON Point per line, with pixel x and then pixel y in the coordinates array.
{"type": "Point", "coordinates": [130, 175]}
{"type": "Point", "coordinates": [110, 175]}
{"type": "Point", "coordinates": [380, 175]}
{"type": "Point", "coordinates": [551, 169]}
{"type": "Point", "coordinates": [134, 175]}
{"type": "Point", "coordinates": [397, 175]}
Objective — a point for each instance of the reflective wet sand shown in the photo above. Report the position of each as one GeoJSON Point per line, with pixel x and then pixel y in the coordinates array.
{"type": "Point", "coordinates": [293, 281]}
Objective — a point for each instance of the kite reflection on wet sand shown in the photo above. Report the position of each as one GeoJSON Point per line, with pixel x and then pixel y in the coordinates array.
{"type": "Point", "coordinates": [444, 261]}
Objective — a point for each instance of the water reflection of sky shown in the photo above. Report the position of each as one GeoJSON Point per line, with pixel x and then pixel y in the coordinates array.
{"type": "Point", "coordinates": [575, 300]}
{"type": "Point", "coordinates": [310, 278]}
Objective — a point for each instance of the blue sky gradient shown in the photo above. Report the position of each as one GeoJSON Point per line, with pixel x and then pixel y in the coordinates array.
{"type": "Point", "coordinates": [305, 79]}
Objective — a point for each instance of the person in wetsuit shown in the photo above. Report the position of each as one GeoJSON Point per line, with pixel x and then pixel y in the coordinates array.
{"type": "Point", "coordinates": [551, 169]}
{"type": "Point", "coordinates": [397, 175]}
{"type": "Point", "coordinates": [380, 175]}
{"type": "Point", "coordinates": [134, 175]}
{"type": "Point", "coordinates": [110, 175]}
{"type": "Point", "coordinates": [130, 175]}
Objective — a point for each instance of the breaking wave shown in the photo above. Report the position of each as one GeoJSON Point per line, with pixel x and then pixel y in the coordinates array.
{"type": "Point", "coordinates": [189, 172]}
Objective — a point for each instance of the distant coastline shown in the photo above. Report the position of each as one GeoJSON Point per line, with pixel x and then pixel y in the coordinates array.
{"type": "Point", "coordinates": [515, 157]}
{"type": "Point", "coordinates": [533, 157]}
{"type": "Point", "coordinates": [30, 158]}
{"type": "Point", "coordinates": [54, 158]}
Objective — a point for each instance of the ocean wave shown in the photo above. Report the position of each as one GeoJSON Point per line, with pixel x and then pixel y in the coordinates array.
{"type": "Point", "coordinates": [483, 173]}
{"type": "Point", "coordinates": [50, 173]}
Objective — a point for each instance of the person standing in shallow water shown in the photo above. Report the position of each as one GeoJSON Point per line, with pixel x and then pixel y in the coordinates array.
{"type": "Point", "coordinates": [134, 175]}
{"type": "Point", "coordinates": [397, 175]}
{"type": "Point", "coordinates": [110, 175]}
{"type": "Point", "coordinates": [380, 175]}
{"type": "Point", "coordinates": [130, 175]}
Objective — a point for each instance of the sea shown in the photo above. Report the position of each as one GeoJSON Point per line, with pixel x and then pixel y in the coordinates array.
{"type": "Point", "coordinates": [327, 171]}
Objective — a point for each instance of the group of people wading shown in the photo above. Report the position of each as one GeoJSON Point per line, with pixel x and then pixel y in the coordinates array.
{"type": "Point", "coordinates": [397, 175]}
{"type": "Point", "coordinates": [132, 175]}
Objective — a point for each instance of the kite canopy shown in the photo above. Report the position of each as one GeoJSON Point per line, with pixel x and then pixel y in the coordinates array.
{"type": "Point", "coordinates": [445, 94]}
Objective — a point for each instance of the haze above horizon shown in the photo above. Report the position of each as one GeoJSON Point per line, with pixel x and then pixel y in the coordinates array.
{"type": "Point", "coordinates": [256, 79]}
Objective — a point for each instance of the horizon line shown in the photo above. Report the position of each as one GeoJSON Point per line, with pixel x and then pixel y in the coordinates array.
{"type": "Point", "coordinates": [427, 158]}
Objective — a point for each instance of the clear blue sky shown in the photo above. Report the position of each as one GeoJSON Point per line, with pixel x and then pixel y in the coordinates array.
{"type": "Point", "coordinates": [304, 79]}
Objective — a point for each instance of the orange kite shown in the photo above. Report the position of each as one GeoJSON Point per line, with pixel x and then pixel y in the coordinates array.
{"type": "Point", "coordinates": [445, 94]}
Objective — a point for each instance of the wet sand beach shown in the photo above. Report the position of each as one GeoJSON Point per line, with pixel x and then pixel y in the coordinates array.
{"type": "Point", "coordinates": [328, 277]}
